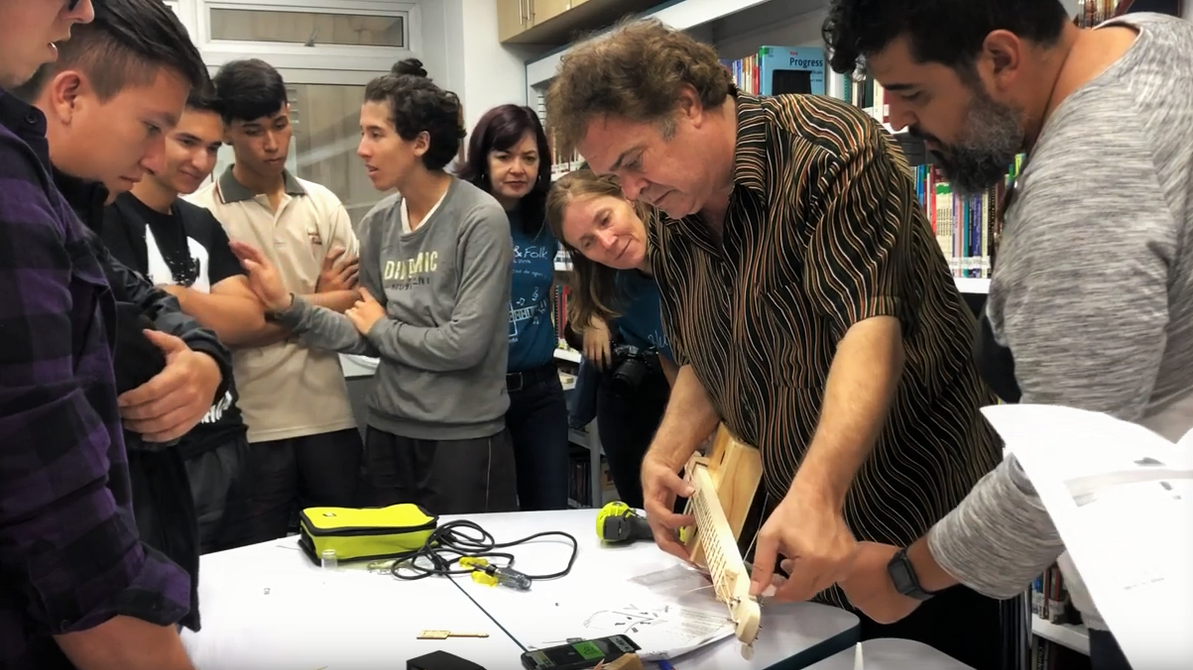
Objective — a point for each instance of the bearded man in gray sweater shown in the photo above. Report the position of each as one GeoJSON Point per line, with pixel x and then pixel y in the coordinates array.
{"type": "Point", "coordinates": [1091, 300]}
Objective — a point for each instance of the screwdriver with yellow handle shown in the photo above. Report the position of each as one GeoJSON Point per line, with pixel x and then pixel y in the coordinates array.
{"type": "Point", "coordinates": [490, 575]}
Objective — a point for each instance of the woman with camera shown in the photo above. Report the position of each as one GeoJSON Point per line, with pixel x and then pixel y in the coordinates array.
{"type": "Point", "coordinates": [614, 305]}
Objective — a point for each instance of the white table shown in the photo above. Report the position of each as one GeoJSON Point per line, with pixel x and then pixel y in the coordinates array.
{"type": "Point", "coordinates": [892, 654]}
{"type": "Point", "coordinates": [793, 635]}
{"type": "Point", "coordinates": [268, 606]}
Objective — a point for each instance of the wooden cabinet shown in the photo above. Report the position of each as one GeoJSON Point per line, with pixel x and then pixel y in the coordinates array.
{"type": "Point", "coordinates": [556, 22]}
{"type": "Point", "coordinates": [545, 10]}
{"type": "Point", "coordinates": [511, 18]}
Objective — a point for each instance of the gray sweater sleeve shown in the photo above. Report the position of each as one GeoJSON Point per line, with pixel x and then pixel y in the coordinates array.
{"type": "Point", "coordinates": [999, 538]}
{"type": "Point", "coordinates": [485, 253]}
{"type": "Point", "coordinates": [1080, 297]}
{"type": "Point", "coordinates": [324, 328]}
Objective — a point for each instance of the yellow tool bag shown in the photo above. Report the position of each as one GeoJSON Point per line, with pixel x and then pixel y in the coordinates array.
{"type": "Point", "coordinates": [369, 534]}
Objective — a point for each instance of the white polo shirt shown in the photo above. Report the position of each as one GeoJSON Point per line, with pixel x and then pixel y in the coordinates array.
{"type": "Point", "coordinates": [287, 390]}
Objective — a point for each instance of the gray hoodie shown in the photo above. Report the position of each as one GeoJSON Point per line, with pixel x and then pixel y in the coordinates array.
{"type": "Point", "coordinates": [443, 346]}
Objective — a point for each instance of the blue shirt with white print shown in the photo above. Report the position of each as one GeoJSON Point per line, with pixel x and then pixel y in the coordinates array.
{"type": "Point", "coordinates": [531, 329]}
{"type": "Point", "coordinates": [640, 321]}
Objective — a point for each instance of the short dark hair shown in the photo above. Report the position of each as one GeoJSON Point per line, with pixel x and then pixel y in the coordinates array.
{"type": "Point", "coordinates": [204, 99]}
{"type": "Point", "coordinates": [499, 130]}
{"type": "Point", "coordinates": [249, 89]}
{"type": "Point", "coordinates": [417, 105]}
{"type": "Point", "coordinates": [126, 45]}
{"type": "Point", "coordinates": [950, 32]}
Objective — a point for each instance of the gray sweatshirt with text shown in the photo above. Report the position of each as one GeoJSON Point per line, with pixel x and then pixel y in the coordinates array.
{"type": "Point", "coordinates": [443, 344]}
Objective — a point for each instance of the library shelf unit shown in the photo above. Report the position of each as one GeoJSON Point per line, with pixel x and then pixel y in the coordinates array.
{"type": "Point", "coordinates": [1073, 636]}
{"type": "Point", "coordinates": [587, 438]}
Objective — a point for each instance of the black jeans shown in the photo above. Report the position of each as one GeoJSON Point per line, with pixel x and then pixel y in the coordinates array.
{"type": "Point", "coordinates": [222, 490]}
{"type": "Point", "coordinates": [468, 476]}
{"type": "Point", "coordinates": [1104, 652]}
{"type": "Point", "coordinates": [538, 423]}
{"type": "Point", "coordinates": [164, 511]}
{"type": "Point", "coordinates": [626, 425]}
{"type": "Point", "coordinates": [310, 471]}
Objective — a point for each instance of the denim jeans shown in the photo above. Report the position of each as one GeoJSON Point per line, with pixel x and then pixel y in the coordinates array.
{"type": "Point", "coordinates": [537, 419]}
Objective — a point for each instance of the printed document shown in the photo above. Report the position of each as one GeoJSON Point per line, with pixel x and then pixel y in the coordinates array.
{"type": "Point", "coordinates": [1121, 498]}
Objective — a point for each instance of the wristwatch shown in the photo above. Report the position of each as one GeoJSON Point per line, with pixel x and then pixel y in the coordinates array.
{"type": "Point", "coordinates": [903, 575]}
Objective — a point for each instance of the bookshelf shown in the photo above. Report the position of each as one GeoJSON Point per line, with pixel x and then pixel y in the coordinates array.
{"type": "Point", "coordinates": [1073, 636]}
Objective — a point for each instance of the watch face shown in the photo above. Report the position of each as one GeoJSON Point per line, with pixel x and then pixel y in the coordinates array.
{"type": "Point", "coordinates": [903, 577]}
{"type": "Point", "coordinates": [899, 574]}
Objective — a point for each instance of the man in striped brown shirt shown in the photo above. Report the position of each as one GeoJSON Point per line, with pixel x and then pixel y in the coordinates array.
{"type": "Point", "coordinates": [809, 306]}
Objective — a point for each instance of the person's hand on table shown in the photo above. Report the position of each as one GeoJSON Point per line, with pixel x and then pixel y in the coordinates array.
{"type": "Point", "coordinates": [869, 587]}
{"type": "Point", "coordinates": [810, 531]}
{"type": "Point", "coordinates": [660, 486]}
{"type": "Point", "coordinates": [597, 345]}
{"type": "Point", "coordinates": [366, 312]}
{"type": "Point", "coordinates": [167, 406]}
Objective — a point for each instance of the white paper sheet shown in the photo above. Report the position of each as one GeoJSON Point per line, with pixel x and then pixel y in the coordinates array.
{"type": "Point", "coordinates": [667, 613]}
{"type": "Point", "coordinates": [1121, 498]}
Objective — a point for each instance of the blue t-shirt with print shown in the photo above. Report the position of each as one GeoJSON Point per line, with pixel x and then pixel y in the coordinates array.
{"type": "Point", "coordinates": [641, 321]}
{"type": "Point", "coordinates": [532, 332]}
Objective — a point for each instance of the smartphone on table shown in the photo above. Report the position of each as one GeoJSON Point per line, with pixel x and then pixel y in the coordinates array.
{"type": "Point", "coordinates": [579, 655]}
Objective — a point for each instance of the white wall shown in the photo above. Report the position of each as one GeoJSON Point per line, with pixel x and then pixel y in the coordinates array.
{"type": "Point", "coordinates": [1188, 7]}
{"type": "Point", "coordinates": [474, 64]}
{"type": "Point", "coordinates": [436, 41]}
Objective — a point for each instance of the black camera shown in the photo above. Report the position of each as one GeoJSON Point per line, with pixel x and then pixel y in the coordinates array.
{"type": "Point", "coordinates": [630, 366]}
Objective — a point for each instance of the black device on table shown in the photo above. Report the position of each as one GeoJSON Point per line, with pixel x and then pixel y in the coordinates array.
{"type": "Point", "coordinates": [441, 660]}
{"type": "Point", "coordinates": [579, 655]}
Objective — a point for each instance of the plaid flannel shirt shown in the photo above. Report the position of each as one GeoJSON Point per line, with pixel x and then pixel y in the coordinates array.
{"type": "Point", "coordinates": [70, 557]}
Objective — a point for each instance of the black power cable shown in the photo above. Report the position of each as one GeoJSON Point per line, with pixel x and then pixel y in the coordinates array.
{"type": "Point", "coordinates": [454, 540]}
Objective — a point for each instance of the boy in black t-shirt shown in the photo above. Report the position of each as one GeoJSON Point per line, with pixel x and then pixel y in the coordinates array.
{"type": "Point", "coordinates": [182, 249]}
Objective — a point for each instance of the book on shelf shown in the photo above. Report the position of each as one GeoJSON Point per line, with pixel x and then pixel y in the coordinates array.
{"type": "Point", "coordinates": [774, 70]}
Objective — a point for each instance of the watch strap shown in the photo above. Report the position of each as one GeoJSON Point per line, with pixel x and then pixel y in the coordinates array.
{"type": "Point", "coordinates": [903, 575]}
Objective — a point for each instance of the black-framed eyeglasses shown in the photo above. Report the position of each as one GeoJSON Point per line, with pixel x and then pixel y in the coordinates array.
{"type": "Point", "coordinates": [71, 4]}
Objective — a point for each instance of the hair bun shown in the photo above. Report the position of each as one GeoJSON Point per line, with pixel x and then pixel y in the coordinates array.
{"type": "Point", "coordinates": [409, 66]}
